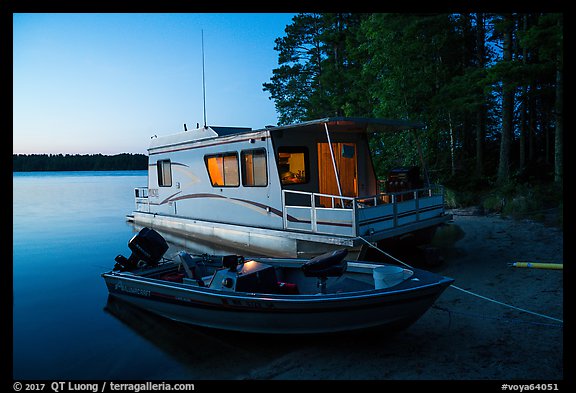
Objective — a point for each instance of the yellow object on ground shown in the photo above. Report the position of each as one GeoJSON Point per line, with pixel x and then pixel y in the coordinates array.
{"type": "Point", "coordinates": [535, 265]}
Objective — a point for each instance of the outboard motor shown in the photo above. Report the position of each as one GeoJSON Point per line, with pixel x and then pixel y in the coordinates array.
{"type": "Point", "coordinates": [147, 247]}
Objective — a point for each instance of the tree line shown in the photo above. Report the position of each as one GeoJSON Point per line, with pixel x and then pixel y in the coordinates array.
{"type": "Point", "coordinates": [488, 86]}
{"type": "Point", "coordinates": [78, 162]}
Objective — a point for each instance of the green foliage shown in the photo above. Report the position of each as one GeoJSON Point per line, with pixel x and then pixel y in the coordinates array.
{"type": "Point", "coordinates": [525, 200]}
{"type": "Point", "coordinates": [465, 191]}
{"type": "Point", "coordinates": [450, 198]}
{"type": "Point", "coordinates": [318, 68]}
{"type": "Point", "coordinates": [493, 203]}
{"type": "Point", "coordinates": [521, 205]}
{"type": "Point", "coordinates": [461, 198]}
{"type": "Point", "coordinates": [545, 36]}
{"type": "Point", "coordinates": [446, 70]}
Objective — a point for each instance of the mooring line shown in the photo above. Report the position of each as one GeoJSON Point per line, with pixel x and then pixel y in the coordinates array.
{"type": "Point", "coordinates": [385, 253]}
{"type": "Point", "coordinates": [507, 305]}
{"type": "Point", "coordinates": [506, 320]}
{"type": "Point", "coordinates": [464, 290]}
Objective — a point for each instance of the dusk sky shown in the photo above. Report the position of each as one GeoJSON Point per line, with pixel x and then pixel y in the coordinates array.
{"type": "Point", "coordinates": [105, 83]}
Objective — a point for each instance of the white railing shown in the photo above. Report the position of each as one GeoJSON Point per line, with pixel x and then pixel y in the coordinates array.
{"type": "Point", "coordinates": [141, 199]}
{"type": "Point", "coordinates": [359, 216]}
{"type": "Point", "coordinates": [317, 218]}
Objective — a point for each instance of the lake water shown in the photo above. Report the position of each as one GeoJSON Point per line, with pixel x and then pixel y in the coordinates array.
{"type": "Point", "coordinates": [67, 229]}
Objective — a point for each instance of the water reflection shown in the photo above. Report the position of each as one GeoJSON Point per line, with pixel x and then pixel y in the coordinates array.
{"type": "Point", "coordinates": [203, 353]}
{"type": "Point", "coordinates": [213, 354]}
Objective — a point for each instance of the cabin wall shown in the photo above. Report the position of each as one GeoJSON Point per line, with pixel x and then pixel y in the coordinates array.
{"type": "Point", "coordinates": [193, 193]}
{"type": "Point", "coordinates": [366, 181]}
{"type": "Point", "coordinates": [193, 180]}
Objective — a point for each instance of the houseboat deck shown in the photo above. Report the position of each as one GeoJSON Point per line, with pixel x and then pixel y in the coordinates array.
{"type": "Point", "coordinates": [347, 222]}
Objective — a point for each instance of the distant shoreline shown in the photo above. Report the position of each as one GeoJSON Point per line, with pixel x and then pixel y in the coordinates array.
{"type": "Point", "coordinates": [78, 162]}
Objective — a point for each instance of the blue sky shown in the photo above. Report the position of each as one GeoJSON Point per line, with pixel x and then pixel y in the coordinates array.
{"type": "Point", "coordinates": [105, 83]}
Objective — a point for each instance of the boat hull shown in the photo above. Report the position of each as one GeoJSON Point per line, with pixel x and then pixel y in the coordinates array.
{"type": "Point", "coordinates": [278, 314]}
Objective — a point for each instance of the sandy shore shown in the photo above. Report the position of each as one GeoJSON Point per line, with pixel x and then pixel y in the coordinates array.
{"type": "Point", "coordinates": [465, 337]}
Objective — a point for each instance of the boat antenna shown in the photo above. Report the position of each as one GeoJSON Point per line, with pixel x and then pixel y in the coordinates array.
{"type": "Point", "coordinates": [203, 79]}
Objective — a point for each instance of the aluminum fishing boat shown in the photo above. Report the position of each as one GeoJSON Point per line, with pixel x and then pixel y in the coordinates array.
{"type": "Point", "coordinates": [327, 293]}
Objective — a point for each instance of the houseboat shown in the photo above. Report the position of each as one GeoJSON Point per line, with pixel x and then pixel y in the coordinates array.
{"type": "Point", "coordinates": [293, 191]}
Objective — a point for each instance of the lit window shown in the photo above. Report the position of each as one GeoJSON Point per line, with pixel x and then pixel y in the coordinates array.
{"type": "Point", "coordinates": [164, 173]}
{"type": "Point", "coordinates": [223, 169]}
{"type": "Point", "coordinates": [254, 170]}
{"type": "Point", "coordinates": [293, 164]}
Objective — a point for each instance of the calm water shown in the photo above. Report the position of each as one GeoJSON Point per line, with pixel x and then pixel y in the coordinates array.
{"type": "Point", "coordinates": [67, 229]}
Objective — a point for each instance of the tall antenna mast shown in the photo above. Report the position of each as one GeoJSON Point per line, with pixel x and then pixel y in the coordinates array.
{"type": "Point", "coordinates": [203, 79]}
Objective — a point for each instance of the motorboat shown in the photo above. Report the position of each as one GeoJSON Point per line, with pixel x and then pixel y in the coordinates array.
{"type": "Point", "coordinates": [325, 294]}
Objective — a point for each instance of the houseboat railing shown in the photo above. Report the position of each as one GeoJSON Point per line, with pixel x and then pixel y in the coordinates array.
{"type": "Point", "coordinates": [360, 216]}
{"type": "Point", "coordinates": [312, 216]}
{"type": "Point", "coordinates": [141, 199]}
{"type": "Point", "coordinates": [348, 216]}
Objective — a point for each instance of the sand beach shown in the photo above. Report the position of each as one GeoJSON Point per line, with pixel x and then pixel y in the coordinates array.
{"type": "Point", "coordinates": [464, 337]}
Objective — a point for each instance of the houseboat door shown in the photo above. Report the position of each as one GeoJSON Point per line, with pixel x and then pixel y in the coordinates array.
{"type": "Point", "coordinates": [346, 163]}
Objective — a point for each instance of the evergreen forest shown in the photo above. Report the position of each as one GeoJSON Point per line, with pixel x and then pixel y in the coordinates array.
{"type": "Point", "coordinates": [78, 162]}
{"type": "Point", "coordinates": [488, 87]}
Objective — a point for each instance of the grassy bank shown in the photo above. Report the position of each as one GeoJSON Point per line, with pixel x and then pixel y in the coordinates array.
{"type": "Point", "coordinates": [538, 200]}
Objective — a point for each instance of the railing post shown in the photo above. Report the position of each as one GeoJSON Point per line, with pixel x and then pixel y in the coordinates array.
{"type": "Point", "coordinates": [354, 218]}
{"type": "Point", "coordinates": [313, 223]}
{"type": "Point", "coordinates": [284, 213]}
{"type": "Point", "coordinates": [141, 199]}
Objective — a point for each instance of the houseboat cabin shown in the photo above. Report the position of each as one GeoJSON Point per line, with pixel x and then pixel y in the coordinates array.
{"type": "Point", "coordinates": [288, 191]}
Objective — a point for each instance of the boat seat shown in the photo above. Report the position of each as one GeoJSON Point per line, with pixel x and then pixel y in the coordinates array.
{"type": "Point", "coordinates": [330, 264]}
{"type": "Point", "coordinates": [191, 268]}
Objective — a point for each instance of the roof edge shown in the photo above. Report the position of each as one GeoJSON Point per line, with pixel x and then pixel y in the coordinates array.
{"type": "Point", "coordinates": [371, 124]}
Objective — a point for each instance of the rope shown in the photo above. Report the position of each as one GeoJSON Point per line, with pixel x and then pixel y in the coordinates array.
{"type": "Point", "coordinates": [385, 253]}
{"type": "Point", "coordinates": [507, 320]}
{"type": "Point", "coordinates": [464, 290]}
{"type": "Point", "coordinates": [507, 305]}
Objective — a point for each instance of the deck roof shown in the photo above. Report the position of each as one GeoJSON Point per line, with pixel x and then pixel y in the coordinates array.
{"type": "Point", "coordinates": [335, 124]}
{"type": "Point", "coordinates": [358, 124]}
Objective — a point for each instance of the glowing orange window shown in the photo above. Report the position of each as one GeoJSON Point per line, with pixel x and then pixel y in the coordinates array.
{"type": "Point", "coordinates": [223, 169]}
